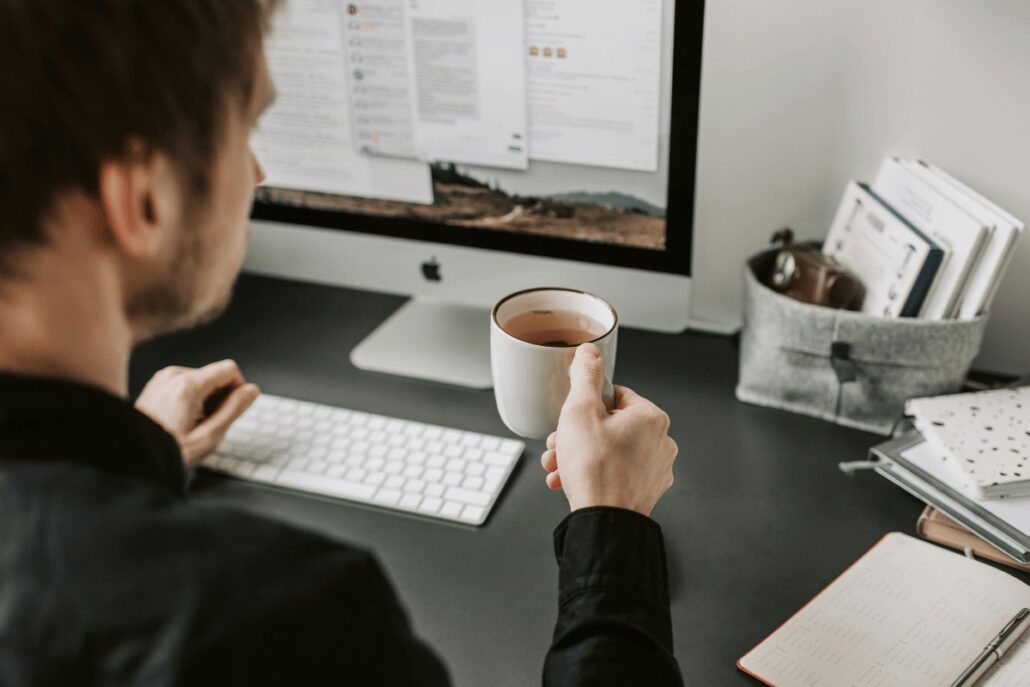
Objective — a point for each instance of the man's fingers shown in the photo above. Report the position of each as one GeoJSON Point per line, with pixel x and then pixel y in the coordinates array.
{"type": "Point", "coordinates": [586, 375]}
{"type": "Point", "coordinates": [235, 404]}
{"type": "Point", "coordinates": [211, 378]}
{"type": "Point", "coordinates": [552, 440]}
{"type": "Point", "coordinates": [549, 460]}
{"type": "Point", "coordinates": [554, 480]}
{"type": "Point", "coordinates": [626, 397]}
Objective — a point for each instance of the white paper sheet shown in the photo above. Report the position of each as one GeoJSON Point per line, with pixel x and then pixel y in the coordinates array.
{"type": "Point", "coordinates": [305, 141]}
{"type": "Point", "coordinates": [378, 52]}
{"type": "Point", "coordinates": [594, 74]}
{"type": "Point", "coordinates": [468, 78]}
{"type": "Point", "coordinates": [907, 614]}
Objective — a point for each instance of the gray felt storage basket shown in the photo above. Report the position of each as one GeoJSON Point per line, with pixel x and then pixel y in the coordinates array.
{"type": "Point", "coordinates": [848, 367]}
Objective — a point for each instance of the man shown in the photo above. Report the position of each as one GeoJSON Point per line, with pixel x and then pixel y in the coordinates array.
{"type": "Point", "coordinates": [125, 184]}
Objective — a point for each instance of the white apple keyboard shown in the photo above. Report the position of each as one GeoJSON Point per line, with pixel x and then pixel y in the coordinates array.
{"type": "Point", "coordinates": [401, 465]}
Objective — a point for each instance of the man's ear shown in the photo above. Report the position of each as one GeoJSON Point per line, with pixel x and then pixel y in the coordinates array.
{"type": "Point", "coordinates": [139, 194]}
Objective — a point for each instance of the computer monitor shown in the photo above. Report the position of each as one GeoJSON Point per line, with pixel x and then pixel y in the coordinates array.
{"type": "Point", "coordinates": [460, 150]}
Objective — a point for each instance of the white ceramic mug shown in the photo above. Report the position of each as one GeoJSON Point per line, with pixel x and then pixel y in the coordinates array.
{"type": "Point", "coordinates": [531, 381]}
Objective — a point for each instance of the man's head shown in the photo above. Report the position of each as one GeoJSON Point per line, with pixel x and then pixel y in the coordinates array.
{"type": "Point", "coordinates": [124, 137]}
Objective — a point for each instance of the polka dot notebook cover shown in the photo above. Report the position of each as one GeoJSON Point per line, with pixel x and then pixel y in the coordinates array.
{"type": "Point", "coordinates": [984, 435]}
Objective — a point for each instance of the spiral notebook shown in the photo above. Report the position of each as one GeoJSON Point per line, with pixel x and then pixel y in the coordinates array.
{"type": "Point", "coordinates": [906, 614]}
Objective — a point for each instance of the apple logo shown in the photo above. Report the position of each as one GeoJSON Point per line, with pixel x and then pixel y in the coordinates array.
{"type": "Point", "coordinates": [431, 270]}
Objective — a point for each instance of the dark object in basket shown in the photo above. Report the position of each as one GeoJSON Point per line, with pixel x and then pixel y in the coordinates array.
{"type": "Point", "coordinates": [803, 273]}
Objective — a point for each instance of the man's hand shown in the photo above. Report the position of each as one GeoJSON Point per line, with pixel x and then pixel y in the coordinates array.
{"type": "Point", "coordinates": [621, 458]}
{"type": "Point", "coordinates": [180, 399]}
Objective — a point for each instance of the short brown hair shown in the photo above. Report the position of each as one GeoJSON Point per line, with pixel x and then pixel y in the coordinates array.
{"type": "Point", "coordinates": [83, 78]}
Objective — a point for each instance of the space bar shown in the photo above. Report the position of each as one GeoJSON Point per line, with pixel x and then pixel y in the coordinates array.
{"type": "Point", "coordinates": [321, 484]}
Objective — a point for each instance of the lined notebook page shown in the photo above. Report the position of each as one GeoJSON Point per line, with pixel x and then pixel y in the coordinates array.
{"type": "Point", "coordinates": [907, 614]}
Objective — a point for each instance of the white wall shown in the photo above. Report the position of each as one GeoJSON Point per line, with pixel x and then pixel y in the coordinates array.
{"type": "Point", "coordinates": [800, 96]}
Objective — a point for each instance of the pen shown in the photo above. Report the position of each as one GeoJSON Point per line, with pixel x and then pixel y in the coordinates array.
{"type": "Point", "coordinates": [993, 652]}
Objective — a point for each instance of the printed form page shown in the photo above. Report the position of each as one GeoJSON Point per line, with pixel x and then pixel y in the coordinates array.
{"type": "Point", "coordinates": [305, 141]}
{"type": "Point", "coordinates": [379, 54]}
{"type": "Point", "coordinates": [907, 614]}
{"type": "Point", "coordinates": [468, 78]}
{"type": "Point", "coordinates": [594, 73]}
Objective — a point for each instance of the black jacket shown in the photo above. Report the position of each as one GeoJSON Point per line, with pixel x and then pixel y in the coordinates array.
{"type": "Point", "coordinates": [109, 575]}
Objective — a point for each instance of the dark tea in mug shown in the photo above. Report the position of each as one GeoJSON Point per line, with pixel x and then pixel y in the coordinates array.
{"type": "Point", "coordinates": [554, 328]}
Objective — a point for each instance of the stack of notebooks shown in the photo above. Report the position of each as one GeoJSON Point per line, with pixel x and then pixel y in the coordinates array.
{"type": "Point", "coordinates": [969, 459]}
{"type": "Point", "coordinates": [922, 243]}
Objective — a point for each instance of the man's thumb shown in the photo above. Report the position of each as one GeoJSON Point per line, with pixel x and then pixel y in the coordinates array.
{"type": "Point", "coordinates": [587, 375]}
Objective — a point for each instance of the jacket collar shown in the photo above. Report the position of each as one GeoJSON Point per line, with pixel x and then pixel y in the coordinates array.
{"type": "Point", "coordinates": [54, 420]}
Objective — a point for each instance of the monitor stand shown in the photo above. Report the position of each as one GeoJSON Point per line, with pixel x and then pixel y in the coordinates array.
{"type": "Point", "coordinates": [433, 341]}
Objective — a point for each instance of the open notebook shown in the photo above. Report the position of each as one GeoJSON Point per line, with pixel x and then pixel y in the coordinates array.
{"type": "Point", "coordinates": [906, 614]}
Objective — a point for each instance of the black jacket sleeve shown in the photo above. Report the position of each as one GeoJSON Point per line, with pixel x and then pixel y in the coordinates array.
{"type": "Point", "coordinates": [614, 626]}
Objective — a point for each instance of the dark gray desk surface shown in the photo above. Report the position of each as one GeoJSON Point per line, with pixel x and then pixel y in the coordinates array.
{"type": "Point", "coordinates": [758, 521]}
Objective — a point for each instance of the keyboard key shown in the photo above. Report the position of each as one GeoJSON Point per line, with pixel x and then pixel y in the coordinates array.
{"type": "Point", "coordinates": [451, 509]}
{"type": "Point", "coordinates": [452, 478]}
{"type": "Point", "coordinates": [473, 454]}
{"type": "Point", "coordinates": [472, 514]}
{"type": "Point", "coordinates": [435, 490]}
{"type": "Point", "coordinates": [475, 469]}
{"type": "Point", "coordinates": [394, 467]}
{"type": "Point", "coordinates": [414, 429]}
{"type": "Point", "coordinates": [494, 458]}
{"type": "Point", "coordinates": [264, 473]}
{"type": "Point", "coordinates": [413, 471]}
{"type": "Point", "coordinates": [415, 486]}
{"type": "Point", "coordinates": [433, 432]}
{"type": "Point", "coordinates": [387, 496]}
{"type": "Point", "coordinates": [411, 501]}
{"type": "Point", "coordinates": [375, 478]}
{"type": "Point", "coordinates": [320, 484]}
{"type": "Point", "coordinates": [436, 461]}
{"type": "Point", "coordinates": [473, 482]}
{"type": "Point", "coordinates": [453, 451]}
{"type": "Point", "coordinates": [470, 440]}
{"type": "Point", "coordinates": [433, 475]}
{"type": "Point", "coordinates": [356, 475]}
{"type": "Point", "coordinates": [336, 471]}
{"type": "Point", "coordinates": [490, 444]}
{"type": "Point", "coordinates": [475, 498]}
{"type": "Point", "coordinates": [395, 482]}
{"type": "Point", "coordinates": [512, 446]}
{"type": "Point", "coordinates": [430, 505]}
{"type": "Point", "coordinates": [456, 465]}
